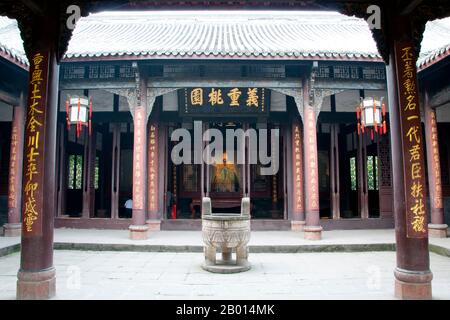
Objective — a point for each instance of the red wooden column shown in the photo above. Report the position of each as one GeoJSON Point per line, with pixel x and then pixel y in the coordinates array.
{"type": "Point", "coordinates": [298, 209]}
{"type": "Point", "coordinates": [334, 173]}
{"type": "Point", "coordinates": [89, 175]}
{"type": "Point", "coordinates": [62, 182]}
{"type": "Point", "coordinates": [312, 229]}
{"type": "Point", "coordinates": [437, 228]}
{"type": "Point", "coordinates": [115, 171]}
{"type": "Point", "coordinates": [139, 228]}
{"type": "Point", "coordinates": [412, 274]}
{"type": "Point", "coordinates": [363, 194]}
{"type": "Point", "coordinates": [13, 227]}
{"type": "Point", "coordinates": [36, 277]}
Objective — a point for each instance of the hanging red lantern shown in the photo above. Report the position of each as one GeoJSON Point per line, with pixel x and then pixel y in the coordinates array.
{"type": "Point", "coordinates": [79, 113]}
{"type": "Point", "coordinates": [371, 115]}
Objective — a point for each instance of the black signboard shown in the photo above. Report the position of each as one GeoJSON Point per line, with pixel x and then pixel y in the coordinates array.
{"type": "Point", "coordinates": [224, 101]}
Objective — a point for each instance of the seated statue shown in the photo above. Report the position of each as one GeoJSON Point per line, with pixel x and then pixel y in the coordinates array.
{"type": "Point", "coordinates": [225, 177]}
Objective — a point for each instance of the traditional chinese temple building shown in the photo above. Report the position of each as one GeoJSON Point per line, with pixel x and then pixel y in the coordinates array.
{"type": "Point", "coordinates": [308, 75]}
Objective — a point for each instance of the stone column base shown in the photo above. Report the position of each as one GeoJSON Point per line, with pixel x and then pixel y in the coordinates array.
{"type": "Point", "coordinates": [297, 226]}
{"type": "Point", "coordinates": [36, 285]}
{"type": "Point", "coordinates": [313, 233]}
{"type": "Point", "coordinates": [138, 232]}
{"type": "Point", "coordinates": [437, 230]}
{"type": "Point", "coordinates": [153, 225]}
{"type": "Point", "coordinates": [413, 285]}
{"type": "Point", "coordinates": [12, 229]}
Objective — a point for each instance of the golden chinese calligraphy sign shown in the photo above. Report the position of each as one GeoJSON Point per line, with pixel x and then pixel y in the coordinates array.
{"type": "Point", "coordinates": [311, 161]}
{"type": "Point", "coordinates": [13, 163]}
{"type": "Point", "coordinates": [34, 145]}
{"type": "Point", "coordinates": [435, 162]}
{"type": "Point", "coordinates": [223, 101]}
{"type": "Point", "coordinates": [411, 130]}
{"type": "Point", "coordinates": [138, 160]}
{"type": "Point", "coordinates": [153, 170]}
{"type": "Point", "coordinates": [298, 168]}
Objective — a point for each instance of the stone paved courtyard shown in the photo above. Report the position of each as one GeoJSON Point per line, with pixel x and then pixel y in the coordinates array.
{"type": "Point", "coordinates": [153, 275]}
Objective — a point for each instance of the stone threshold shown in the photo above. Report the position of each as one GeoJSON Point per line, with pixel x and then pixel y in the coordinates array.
{"type": "Point", "coordinates": [373, 247]}
{"type": "Point", "coordinates": [252, 248]}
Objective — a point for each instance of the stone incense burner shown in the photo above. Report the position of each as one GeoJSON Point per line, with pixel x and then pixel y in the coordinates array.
{"type": "Point", "coordinates": [226, 233]}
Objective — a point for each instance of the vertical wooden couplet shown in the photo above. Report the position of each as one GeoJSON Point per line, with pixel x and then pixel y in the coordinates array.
{"type": "Point", "coordinates": [412, 274]}
{"type": "Point", "coordinates": [36, 277]}
{"type": "Point", "coordinates": [437, 228]}
{"type": "Point", "coordinates": [313, 230]}
{"type": "Point", "coordinates": [153, 169]}
{"type": "Point", "coordinates": [13, 227]}
{"type": "Point", "coordinates": [298, 208]}
{"type": "Point", "coordinates": [139, 228]}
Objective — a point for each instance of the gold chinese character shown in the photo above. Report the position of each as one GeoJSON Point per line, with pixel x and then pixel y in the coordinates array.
{"type": "Point", "coordinates": [416, 171]}
{"type": "Point", "coordinates": [234, 95]}
{"type": "Point", "coordinates": [36, 76]}
{"type": "Point", "coordinates": [197, 96]}
{"type": "Point", "coordinates": [37, 59]}
{"type": "Point", "coordinates": [413, 132]}
{"type": "Point", "coordinates": [418, 224]}
{"type": "Point", "coordinates": [411, 105]}
{"type": "Point", "coordinates": [30, 188]}
{"type": "Point", "coordinates": [409, 86]}
{"type": "Point", "coordinates": [415, 153]}
{"type": "Point", "coordinates": [416, 190]}
{"type": "Point", "coordinates": [215, 97]}
{"type": "Point", "coordinates": [407, 55]}
{"type": "Point", "coordinates": [252, 97]}
{"type": "Point", "coordinates": [33, 141]}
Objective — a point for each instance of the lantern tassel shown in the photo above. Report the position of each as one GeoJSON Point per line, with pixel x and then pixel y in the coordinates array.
{"type": "Point", "coordinates": [67, 115]}
{"type": "Point", "coordinates": [78, 118]}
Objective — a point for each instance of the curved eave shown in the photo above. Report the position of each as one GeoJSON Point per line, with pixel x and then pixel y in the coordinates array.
{"type": "Point", "coordinates": [13, 58]}
{"type": "Point", "coordinates": [237, 57]}
{"type": "Point", "coordinates": [433, 59]}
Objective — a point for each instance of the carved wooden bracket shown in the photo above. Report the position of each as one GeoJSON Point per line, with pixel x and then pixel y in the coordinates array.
{"type": "Point", "coordinates": [317, 96]}
{"type": "Point", "coordinates": [295, 93]}
{"type": "Point", "coordinates": [133, 97]}
{"type": "Point", "coordinates": [152, 93]}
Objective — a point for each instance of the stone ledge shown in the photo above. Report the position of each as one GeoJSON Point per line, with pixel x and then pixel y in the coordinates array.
{"type": "Point", "coordinates": [9, 249]}
{"type": "Point", "coordinates": [442, 251]}
{"type": "Point", "coordinates": [439, 250]}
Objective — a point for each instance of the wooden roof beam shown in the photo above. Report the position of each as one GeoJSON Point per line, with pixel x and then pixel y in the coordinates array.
{"type": "Point", "coordinates": [410, 7]}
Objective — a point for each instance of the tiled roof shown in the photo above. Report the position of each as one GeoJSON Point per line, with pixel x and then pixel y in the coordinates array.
{"type": "Point", "coordinates": [435, 44]}
{"type": "Point", "coordinates": [11, 44]}
{"type": "Point", "coordinates": [213, 35]}
{"type": "Point", "coordinates": [226, 35]}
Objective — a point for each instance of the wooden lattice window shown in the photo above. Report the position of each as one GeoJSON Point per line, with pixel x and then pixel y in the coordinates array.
{"type": "Point", "coordinates": [73, 72]}
{"type": "Point", "coordinates": [374, 73]}
{"type": "Point", "coordinates": [341, 72]}
{"type": "Point", "coordinates": [75, 172]}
